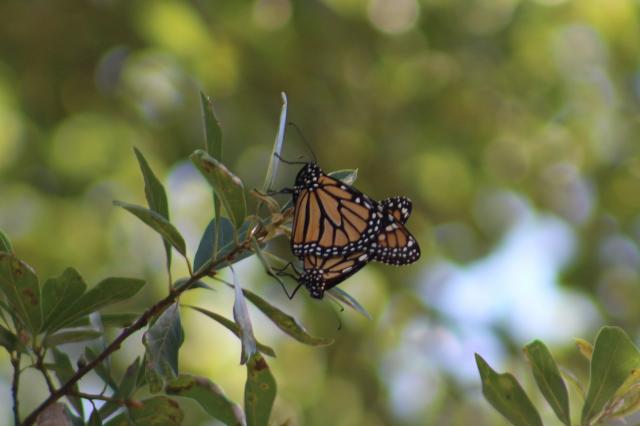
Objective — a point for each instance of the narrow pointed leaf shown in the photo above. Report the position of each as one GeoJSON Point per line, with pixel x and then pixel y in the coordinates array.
{"type": "Point", "coordinates": [241, 317]}
{"type": "Point", "coordinates": [8, 340]}
{"type": "Point", "coordinates": [58, 296]}
{"type": "Point", "coordinates": [156, 196]}
{"type": "Point", "coordinates": [286, 322]}
{"type": "Point", "coordinates": [259, 392]}
{"type": "Point", "coordinates": [506, 395]}
{"type": "Point", "coordinates": [212, 129]}
{"type": "Point", "coordinates": [163, 341]}
{"type": "Point", "coordinates": [344, 297]}
{"type": "Point", "coordinates": [69, 336]}
{"type": "Point", "coordinates": [64, 371]}
{"type": "Point", "coordinates": [198, 284]}
{"type": "Point", "coordinates": [129, 379]}
{"type": "Point", "coordinates": [19, 284]}
{"type": "Point", "coordinates": [126, 389]}
{"type": "Point", "coordinates": [232, 327]}
{"type": "Point", "coordinates": [116, 320]}
{"type": "Point", "coordinates": [614, 359]}
{"type": "Point", "coordinates": [227, 242]}
{"type": "Point", "coordinates": [548, 379]}
{"type": "Point", "coordinates": [155, 411]}
{"type": "Point", "coordinates": [107, 292]}
{"type": "Point", "coordinates": [272, 171]}
{"type": "Point", "coordinates": [210, 397]}
{"type": "Point", "coordinates": [5, 243]}
{"type": "Point", "coordinates": [158, 224]}
{"type": "Point", "coordinates": [228, 187]}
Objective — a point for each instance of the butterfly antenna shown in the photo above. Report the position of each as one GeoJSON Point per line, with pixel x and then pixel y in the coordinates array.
{"type": "Point", "coordinates": [287, 161]}
{"type": "Point", "coordinates": [295, 126]}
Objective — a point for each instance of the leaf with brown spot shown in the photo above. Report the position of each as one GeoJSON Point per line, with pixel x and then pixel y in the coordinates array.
{"type": "Point", "coordinates": [19, 283]}
{"type": "Point", "coordinates": [259, 392]}
{"type": "Point", "coordinates": [210, 397]}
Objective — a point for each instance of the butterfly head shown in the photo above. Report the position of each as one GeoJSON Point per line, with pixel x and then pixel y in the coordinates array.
{"type": "Point", "coordinates": [314, 281]}
{"type": "Point", "coordinates": [309, 174]}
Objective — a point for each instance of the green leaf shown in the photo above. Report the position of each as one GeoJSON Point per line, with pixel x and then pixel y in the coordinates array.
{"type": "Point", "coordinates": [272, 171]}
{"type": "Point", "coordinates": [286, 322]}
{"type": "Point", "coordinates": [549, 380]}
{"type": "Point", "coordinates": [119, 320]}
{"type": "Point", "coordinates": [507, 396]}
{"type": "Point", "coordinates": [8, 339]}
{"type": "Point", "coordinates": [210, 397]}
{"type": "Point", "coordinates": [232, 327]}
{"type": "Point", "coordinates": [344, 297]}
{"type": "Point", "coordinates": [627, 397]}
{"type": "Point", "coordinates": [20, 285]}
{"type": "Point", "coordinates": [69, 336]}
{"type": "Point", "coordinates": [155, 411]}
{"type": "Point", "coordinates": [227, 242]}
{"type": "Point", "coordinates": [156, 196]}
{"type": "Point", "coordinates": [129, 380]}
{"type": "Point", "coordinates": [259, 392]}
{"type": "Point", "coordinates": [163, 341]}
{"type": "Point", "coordinates": [228, 187]}
{"type": "Point", "coordinates": [107, 292]}
{"type": "Point", "coordinates": [127, 387]}
{"type": "Point", "coordinates": [241, 317]}
{"type": "Point", "coordinates": [158, 224]}
{"type": "Point", "coordinates": [58, 296]}
{"type": "Point", "coordinates": [64, 371]}
{"type": "Point", "coordinates": [347, 176]}
{"type": "Point", "coordinates": [614, 359]}
{"type": "Point", "coordinates": [151, 376]}
{"type": "Point", "coordinates": [5, 243]}
{"type": "Point", "coordinates": [103, 369]}
{"type": "Point", "coordinates": [116, 320]}
{"type": "Point", "coordinates": [212, 129]}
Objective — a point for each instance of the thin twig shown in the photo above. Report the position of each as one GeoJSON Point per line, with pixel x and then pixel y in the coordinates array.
{"type": "Point", "coordinates": [141, 322]}
{"type": "Point", "coordinates": [15, 384]}
{"type": "Point", "coordinates": [92, 397]}
{"type": "Point", "coordinates": [40, 366]}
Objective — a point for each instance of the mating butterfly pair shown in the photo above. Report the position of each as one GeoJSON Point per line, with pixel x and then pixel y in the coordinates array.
{"type": "Point", "coordinates": [337, 230]}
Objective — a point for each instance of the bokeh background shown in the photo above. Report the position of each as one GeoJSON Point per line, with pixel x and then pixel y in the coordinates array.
{"type": "Point", "coordinates": [512, 124]}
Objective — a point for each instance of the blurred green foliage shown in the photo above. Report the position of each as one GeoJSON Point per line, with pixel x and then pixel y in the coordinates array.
{"type": "Point", "coordinates": [449, 102]}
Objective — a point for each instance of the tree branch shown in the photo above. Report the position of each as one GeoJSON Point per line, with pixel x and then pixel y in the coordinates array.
{"type": "Point", "coordinates": [15, 384]}
{"type": "Point", "coordinates": [141, 322]}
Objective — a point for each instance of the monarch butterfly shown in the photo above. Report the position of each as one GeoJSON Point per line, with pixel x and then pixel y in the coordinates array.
{"type": "Point", "coordinates": [396, 246]}
{"type": "Point", "coordinates": [321, 274]}
{"type": "Point", "coordinates": [330, 217]}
